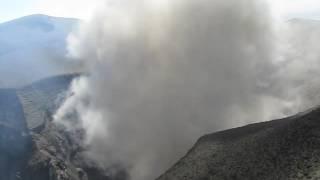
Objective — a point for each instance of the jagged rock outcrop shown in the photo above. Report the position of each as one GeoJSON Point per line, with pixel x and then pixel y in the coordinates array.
{"type": "Point", "coordinates": [32, 147]}
{"type": "Point", "coordinates": [277, 150]}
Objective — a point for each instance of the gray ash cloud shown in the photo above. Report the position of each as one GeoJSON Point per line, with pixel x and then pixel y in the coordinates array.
{"type": "Point", "coordinates": [162, 73]}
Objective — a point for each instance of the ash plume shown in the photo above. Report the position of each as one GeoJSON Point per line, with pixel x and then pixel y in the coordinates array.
{"type": "Point", "coordinates": [162, 73]}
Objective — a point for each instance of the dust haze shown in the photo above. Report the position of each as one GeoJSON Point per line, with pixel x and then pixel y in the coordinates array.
{"type": "Point", "coordinates": [162, 73]}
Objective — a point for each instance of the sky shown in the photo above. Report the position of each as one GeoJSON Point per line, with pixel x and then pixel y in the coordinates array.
{"type": "Point", "coordinates": [296, 8]}
{"type": "Point", "coordinates": [11, 9]}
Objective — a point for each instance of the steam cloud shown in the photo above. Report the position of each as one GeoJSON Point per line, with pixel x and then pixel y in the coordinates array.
{"type": "Point", "coordinates": [162, 73]}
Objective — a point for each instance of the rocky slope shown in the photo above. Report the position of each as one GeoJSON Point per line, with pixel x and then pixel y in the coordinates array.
{"type": "Point", "coordinates": [282, 149]}
{"type": "Point", "coordinates": [34, 148]}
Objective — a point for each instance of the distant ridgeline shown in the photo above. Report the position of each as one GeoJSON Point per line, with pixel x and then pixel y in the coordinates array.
{"type": "Point", "coordinates": [36, 42]}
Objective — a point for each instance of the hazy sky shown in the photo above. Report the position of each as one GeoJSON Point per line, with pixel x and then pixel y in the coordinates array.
{"type": "Point", "coordinates": [297, 8]}
{"type": "Point", "coordinates": [83, 9]}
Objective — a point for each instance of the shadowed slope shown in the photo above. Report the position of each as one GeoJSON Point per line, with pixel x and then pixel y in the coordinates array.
{"type": "Point", "coordinates": [34, 148]}
{"type": "Point", "coordinates": [14, 135]}
{"type": "Point", "coordinates": [282, 149]}
{"type": "Point", "coordinates": [40, 99]}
